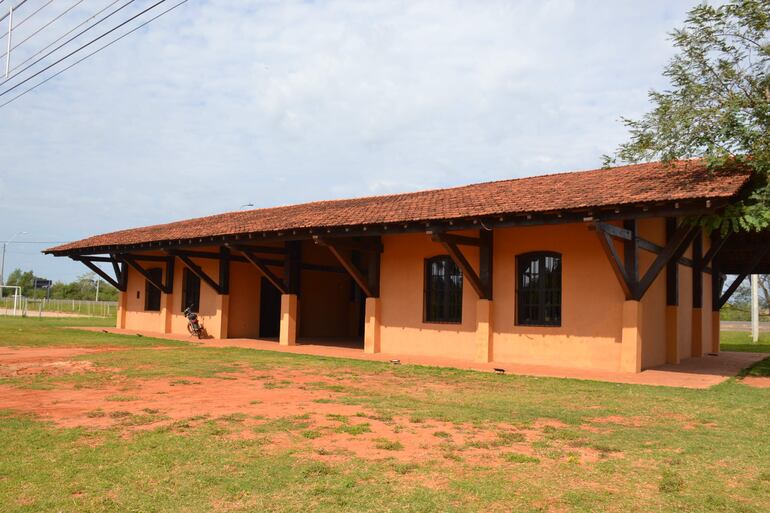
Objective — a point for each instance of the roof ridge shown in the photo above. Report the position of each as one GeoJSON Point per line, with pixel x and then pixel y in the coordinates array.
{"type": "Point", "coordinates": [440, 189]}
{"type": "Point", "coordinates": [619, 185]}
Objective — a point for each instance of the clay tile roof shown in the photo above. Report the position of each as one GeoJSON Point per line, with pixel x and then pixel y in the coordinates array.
{"type": "Point", "coordinates": [633, 184]}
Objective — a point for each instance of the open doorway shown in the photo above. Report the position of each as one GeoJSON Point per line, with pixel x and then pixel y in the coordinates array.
{"type": "Point", "coordinates": [269, 310]}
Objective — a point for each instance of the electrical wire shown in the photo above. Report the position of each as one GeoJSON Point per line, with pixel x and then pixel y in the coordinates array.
{"type": "Point", "coordinates": [94, 52]}
{"type": "Point", "coordinates": [97, 13]}
{"type": "Point", "coordinates": [42, 28]}
{"type": "Point", "coordinates": [4, 16]}
{"type": "Point", "coordinates": [13, 76]}
{"type": "Point", "coordinates": [17, 25]}
{"type": "Point", "coordinates": [73, 52]}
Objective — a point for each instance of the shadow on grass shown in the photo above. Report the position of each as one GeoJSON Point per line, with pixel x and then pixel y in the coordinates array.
{"type": "Point", "coordinates": [759, 369]}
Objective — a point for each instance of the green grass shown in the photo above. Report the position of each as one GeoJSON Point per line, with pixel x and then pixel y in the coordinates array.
{"type": "Point", "coordinates": [36, 332]}
{"type": "Point", "coordinates": [687, 450]}
{"type": "Point", "coordinates": [741, 341]}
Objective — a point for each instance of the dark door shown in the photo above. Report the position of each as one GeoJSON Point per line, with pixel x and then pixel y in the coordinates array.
{"type": "Point", "coordinates": [269, 310]}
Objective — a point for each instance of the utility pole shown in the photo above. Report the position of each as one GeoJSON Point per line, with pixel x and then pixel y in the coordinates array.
{"type": "Point", "coordinates": [8, 50]}
{"type": "Point", "coordinates": [755, 308]}
{"type": "Point", "coordinates": [97, 289]}
{"type": "Point", "coordinates": [2, 270]}
{"type": "Point", "coordinates": [2, 260]}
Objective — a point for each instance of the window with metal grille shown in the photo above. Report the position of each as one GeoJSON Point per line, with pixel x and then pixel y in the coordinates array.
{"type": "Point", "coordinates": [539, 289]}
{"type": "Point", "coordinates": [191, 291]}
{"type": "Point", "coordinates": [151, 292]}
{"type": "Point", "coordinates": [443, 291]}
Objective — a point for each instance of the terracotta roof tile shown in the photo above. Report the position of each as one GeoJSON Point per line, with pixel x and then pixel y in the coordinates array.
{"type": "Point", "coordinates": [633, 184]}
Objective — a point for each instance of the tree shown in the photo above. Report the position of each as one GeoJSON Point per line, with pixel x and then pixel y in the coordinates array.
{"type": "Point", "coordinates": [718, 106]}
{"type": "Point", "coordinates": [25, 280]}
{"type": "Point", "coordinates": [84, 287]}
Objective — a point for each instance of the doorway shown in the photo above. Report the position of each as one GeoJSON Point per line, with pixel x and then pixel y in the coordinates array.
{"type": "Point", "coordinates": [269, 310]}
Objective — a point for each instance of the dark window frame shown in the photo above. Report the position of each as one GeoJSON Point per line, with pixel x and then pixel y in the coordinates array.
{"type": "Point", "coordinates": [151, 292]}
{"type": "Point", "coordinates": [446, 316]}
{"type": "Point", "coordinates": [547, 313]}
{"type": "Point", "coordinates": [187, 277]}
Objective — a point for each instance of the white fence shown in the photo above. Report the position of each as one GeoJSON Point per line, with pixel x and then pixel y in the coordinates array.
{"type": "Point", "coordinates": [29, 307]}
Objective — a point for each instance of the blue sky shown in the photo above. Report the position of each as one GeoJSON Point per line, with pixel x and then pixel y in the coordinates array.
{"type": "Point", "coordinates": [220, 104]}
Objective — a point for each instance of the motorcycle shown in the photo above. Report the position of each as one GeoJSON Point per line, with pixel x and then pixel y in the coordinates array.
{"type": "Point", "coordinates": [193, 324]}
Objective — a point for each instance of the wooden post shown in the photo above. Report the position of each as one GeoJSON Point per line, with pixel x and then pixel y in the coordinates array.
{"type": "Point", "coordinates": [672, 300]}
{"type": "Point", "coordinates": [631, 251]}
{"type": "Point", "coordinates": [716, 293]}
{"type": "Point", "coordinates": [697, 295]}
{"type": "Point", "coordinates": [293, 266]}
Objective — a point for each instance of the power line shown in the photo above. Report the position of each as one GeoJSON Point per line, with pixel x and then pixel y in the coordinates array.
{"type": "Point", "coordinates": [28, 17]}
{"type": "Point", "coordinates": [51, 22]}
{"type": "Point", "coordinates": [65, 44]}
{"type": "Point", "coordinates": [97, 13]}
{"type": "Point", "coordinates": [33, 242]}
{"type": "Point", "coordinates": [93, 53]}
{"type": "Point", "coordinates": [4, 16]}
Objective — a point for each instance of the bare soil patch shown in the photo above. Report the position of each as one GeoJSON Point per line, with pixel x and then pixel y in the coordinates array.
{"type": "Point", "coordinates": [289, 409]}
{"type": "Point", "coordinates": [47, 361]}
{"type": "Point", "coordinates": [757, 381]}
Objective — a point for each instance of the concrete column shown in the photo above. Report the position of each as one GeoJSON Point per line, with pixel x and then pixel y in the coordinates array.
{"type": "Point", "coordinates": [288, 332]}
{"type": "Point", "coordinates": [697, 332]}
{"type": "Point", "coordinates": [484, 331]}
{"type": "Point", "coordinates": [165, 311]}
{"type": "Point", "coordinates": [223, 309]}
{"type": "Point", "coordinates": [122, 302]}
{"type": "Point", "coordinates": [372, 325]}
{"type": "Point", "coordinates": [631, 340]}
{"type": "Point", "coordinates": [672, 334]}
{"type": "Point", "coordinates": [715, 326]}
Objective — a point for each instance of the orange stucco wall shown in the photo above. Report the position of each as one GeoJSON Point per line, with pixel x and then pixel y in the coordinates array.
{"type": "Point", "coordinates": [592, 301]}
{"type": "Point", "coordinates": [402, 329]}
{"type": "Point", "coordinates": [591, 334]}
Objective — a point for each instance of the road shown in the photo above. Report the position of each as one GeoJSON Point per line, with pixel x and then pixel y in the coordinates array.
{"type": "Point", "coordinates": [764, 327]}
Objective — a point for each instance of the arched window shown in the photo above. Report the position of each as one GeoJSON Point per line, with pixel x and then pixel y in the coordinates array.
{"type": "Point", "coordinates": [538, 289]}
{"type": "Point", "coordinates": [443, 290]}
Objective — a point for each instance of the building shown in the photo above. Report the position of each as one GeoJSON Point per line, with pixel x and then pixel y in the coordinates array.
{"type": "Point", "coordinates": [600, 269]}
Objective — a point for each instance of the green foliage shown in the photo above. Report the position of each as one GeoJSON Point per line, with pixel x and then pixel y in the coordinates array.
{"type": "Point", "coordinates": [83, 288]}
{"type": "Point", "coordinates": [718, 106]}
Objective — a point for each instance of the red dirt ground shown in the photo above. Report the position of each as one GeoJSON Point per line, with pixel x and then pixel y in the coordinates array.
{"type": "Point", "coordinates": [756, 381]}
{"type": "Point", "coordinates": [248, 401]}
{"type": "Point", "coordinates": [702, 372]}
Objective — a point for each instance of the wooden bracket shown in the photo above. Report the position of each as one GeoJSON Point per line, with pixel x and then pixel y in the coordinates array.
{"type": "Point", "coordinates": [368, 284]}
{"type": "Point", "coordinates": [482, 289]}
{"type": "Point", "coordinates": [753, 263]}
{"type": "Point", "coordinates": [200, 273]}
{"type": "Point", "coordinates": [634, 289]}
{"type": "Point", "coordinates": [367, 245]}
{"type": "Point", "coordinates": [459, 240]}
{"type": "Point", "coordinates": [336, 249]}
{"type": "Point", "coordinates": [674, 248]}
{"type": "Point", "coordinates": [119, 281]}
{"type": "Point", "coordinates": [133, 262]}
{"type": "Point", "coordinates": [717, 243]}
{"type": "Point", "coordinates": [262, 268]}
{"type": "Point", "coordinates": [618, 267]}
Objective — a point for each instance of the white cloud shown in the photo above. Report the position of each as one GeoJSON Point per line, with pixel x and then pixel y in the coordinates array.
{"type": "Point", "coordinates": [224, 103]}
